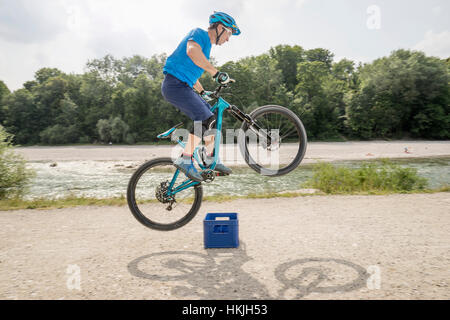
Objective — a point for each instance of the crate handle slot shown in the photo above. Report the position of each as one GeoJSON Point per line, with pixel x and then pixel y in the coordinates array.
{"type": "Point", "coordinates": [220, 228]}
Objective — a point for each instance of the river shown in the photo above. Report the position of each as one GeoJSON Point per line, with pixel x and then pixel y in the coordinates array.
{"type": "Point", "coordinates": [104, 179]}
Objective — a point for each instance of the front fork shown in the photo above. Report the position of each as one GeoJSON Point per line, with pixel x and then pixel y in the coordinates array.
{"type": "Point", "coordinates": [252, 124]}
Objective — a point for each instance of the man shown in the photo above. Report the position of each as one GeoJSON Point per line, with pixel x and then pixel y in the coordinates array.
{"type": "Point", "coordinates": [182, 70]}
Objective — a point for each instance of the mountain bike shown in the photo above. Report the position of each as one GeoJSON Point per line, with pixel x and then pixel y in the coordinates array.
{"type": "Point", "coordinates": [271, 139]}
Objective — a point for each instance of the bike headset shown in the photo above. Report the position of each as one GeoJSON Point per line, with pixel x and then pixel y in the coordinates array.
{"type": "Point", "coordinates": [226, 20]}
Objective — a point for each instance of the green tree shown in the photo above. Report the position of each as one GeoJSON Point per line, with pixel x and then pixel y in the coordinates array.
{"type": "Point", "coordinates": [287, 58]}
{"type": "Point", "coordinates": [44, 74]}
{"type": "Point", "coordinates": [48, 98]}
{"type": "Point", "coordinates": [4, 91]}
{"type": "Point", "coordinates": [242, 92]}
{"type": "Point", "coordinates": [66, 129]}
{"type": "Point", "coordinates": [94, 103]}
{"type": "Point", "coordinates": [345, 70]}
{"type": "Point", "coordinates": [113, 130]}
{"type": "Point", "coordinates": [107, 68]}
{"type": "Point", "coordinates": [30, 85]}
{"type": "Point", "coordinates": [104, 130]}
{"type": "Point", "coordinates": [60, 134]}
{"type": "Point", "coordinates": [320, 55]}
{"type": "Point", "coordinates": [143, 112]}
{"type": "Point", "coordinates": [137, 65]}
{"type": "Point", "coordinates": [14, 175]}
{"type": "Point", "coordinates": [268, 79]}
{"type": "Point", "coordinates": [405, 93]}
{"type": "Point", "coordinates": [21, 117]}
{"type": "Point", "coordinates": [119, 130]}
{"type": "Point", "coordinates": [257, 79]}
{"type": "Point", "coordinates": [118, 100]}
{"type": "Point", "coordinates": [318, 98]}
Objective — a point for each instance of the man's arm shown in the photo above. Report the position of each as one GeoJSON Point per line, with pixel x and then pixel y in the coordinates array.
{"type": "Point", "coordinates": [194, 51]}
{"type": "Point", "coordinates": [198, 87]}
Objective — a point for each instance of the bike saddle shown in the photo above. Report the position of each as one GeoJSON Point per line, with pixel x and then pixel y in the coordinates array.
{"type": "Point", "coordinates": [167, 133]}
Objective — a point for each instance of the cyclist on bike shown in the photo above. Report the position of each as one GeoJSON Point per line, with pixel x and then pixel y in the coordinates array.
{"type": "Point", "coordinates": [182, 70]}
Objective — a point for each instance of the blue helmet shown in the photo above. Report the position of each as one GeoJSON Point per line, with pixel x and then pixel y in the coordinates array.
{"type": "Point", "coordinates": [226, 20]}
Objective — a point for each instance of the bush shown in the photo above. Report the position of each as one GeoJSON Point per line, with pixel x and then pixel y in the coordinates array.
{"type": "Point", "coordinates": [114, 130]}
{"type": "Point", "coordinates": [372, 177]}
{"type": "Point", "coordinates": [14, 176]}
{"type": "Point", "coordinates": [59, 134]}
{"type": "Point", "coordinates": [104, 130]}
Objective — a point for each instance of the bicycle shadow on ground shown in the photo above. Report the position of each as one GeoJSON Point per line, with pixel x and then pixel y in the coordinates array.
{"type": "Point", "coordinates": [218, 274]}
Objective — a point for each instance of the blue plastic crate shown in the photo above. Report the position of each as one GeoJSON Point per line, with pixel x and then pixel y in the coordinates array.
{"type": "Point", "coordinates": [222, 233]}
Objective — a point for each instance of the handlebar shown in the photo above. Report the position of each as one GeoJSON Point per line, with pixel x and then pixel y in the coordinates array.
{"type": "Point", "coordinates": [216, 92]}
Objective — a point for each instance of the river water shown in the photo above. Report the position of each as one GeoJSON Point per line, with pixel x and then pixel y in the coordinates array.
{"type": "Point", "coordinates": [105, 179]}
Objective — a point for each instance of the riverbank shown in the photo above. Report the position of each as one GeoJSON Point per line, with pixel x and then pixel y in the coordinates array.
{"type": "Point", "coordinates": [100, 174]}
{"type": "Point", "coordinates": [316, 151]}
{"type": "Point", "coordinates": [71, 202]}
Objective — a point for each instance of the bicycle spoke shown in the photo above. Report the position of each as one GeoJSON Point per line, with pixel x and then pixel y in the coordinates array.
{"type": "Point", "coordinates": [288, 134]}
{"type": "Point", "coordinates": [280, 123]}
{"type": "Point", "coordinates": [287, 150]}
{"type": "Point", "coordinates": [153, 204]}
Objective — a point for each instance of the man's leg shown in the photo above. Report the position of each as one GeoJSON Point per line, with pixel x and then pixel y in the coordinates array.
{"type": "Point", "coordinates": [192, 142]}
{"type": "Point", "coordinates": [185, 162]}
{"type": "Point", "coordinates": [209, 144]}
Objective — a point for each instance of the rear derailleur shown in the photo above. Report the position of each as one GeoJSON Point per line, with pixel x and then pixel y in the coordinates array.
{"type": "Point", "coordinates": [161, 195]}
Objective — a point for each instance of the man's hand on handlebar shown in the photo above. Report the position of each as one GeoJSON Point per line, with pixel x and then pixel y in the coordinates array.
{"type": "Point", "coordinates": [222, 78]}
{"type": "Point", "coordinates": [207, 95]}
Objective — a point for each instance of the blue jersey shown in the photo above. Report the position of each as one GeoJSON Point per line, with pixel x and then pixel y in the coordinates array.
{"type": "Point", "coordinates": [180, 65]}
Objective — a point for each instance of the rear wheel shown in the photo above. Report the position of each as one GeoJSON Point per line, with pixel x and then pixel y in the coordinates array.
{"type": "Point", "coordinates": [283, 151]}
{"type": "Point", "coordinates": [148, 198]}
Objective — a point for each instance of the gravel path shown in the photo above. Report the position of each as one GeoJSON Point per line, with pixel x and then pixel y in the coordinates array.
{"type": "Point", "coordinates": [315, 247]}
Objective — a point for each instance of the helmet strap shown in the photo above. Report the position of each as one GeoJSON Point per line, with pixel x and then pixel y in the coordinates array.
{"type": "Point", "coordinates": [218, 35]}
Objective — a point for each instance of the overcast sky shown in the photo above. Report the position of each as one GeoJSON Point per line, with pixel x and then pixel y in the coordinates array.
{"type": "Point", "coordinates": [67, 33]}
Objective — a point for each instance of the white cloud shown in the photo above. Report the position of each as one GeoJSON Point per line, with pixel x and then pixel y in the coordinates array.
{"type": "Point", "coordinates": [436, 10]}
{"type": "Point", "coordinates": [24, 20]}
{"type": "Point", "coordinates": [264, 24]}
{"type": "Point", "coordinates": [300, 3]}
{"type": "Point", "coordinates": [67, 33]}
{"type": "Point", "coordinates": [435, 44]}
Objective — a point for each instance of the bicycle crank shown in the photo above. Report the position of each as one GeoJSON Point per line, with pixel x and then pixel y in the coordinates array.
{"type": "Point", "coordinates": [208, 175]}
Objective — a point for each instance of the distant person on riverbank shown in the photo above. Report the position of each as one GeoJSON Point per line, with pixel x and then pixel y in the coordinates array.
{"type": "Point", "coordinates": [182, 70]}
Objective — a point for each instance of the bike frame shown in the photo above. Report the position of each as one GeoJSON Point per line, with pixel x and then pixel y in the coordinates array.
{"type": "Point", "coordinates": [220, 106]}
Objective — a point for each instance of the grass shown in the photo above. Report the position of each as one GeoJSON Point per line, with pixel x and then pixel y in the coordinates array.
{"type": "Point", "coordinates": [69, 202]}
{"type": "Point", "coordinates": [372, 178]}
{"type": "Point", "coordinates": [72, 201]}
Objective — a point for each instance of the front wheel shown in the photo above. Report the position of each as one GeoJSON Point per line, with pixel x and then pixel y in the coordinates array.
{"type": "Point", "coordinates": [149, 200]}
{"type": "Point", "coordinates": [275, 143]}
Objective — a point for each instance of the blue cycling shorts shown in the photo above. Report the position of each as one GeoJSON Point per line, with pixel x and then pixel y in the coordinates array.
{"type": "Point", "coordinates": [181, 95]}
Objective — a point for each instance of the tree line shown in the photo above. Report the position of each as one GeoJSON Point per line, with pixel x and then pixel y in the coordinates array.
{"type": "Point", "coordinates": [403, 95]}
